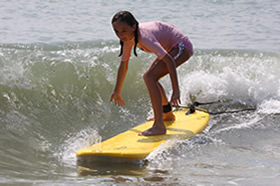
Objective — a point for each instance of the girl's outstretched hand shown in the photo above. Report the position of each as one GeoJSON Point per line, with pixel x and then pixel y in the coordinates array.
{"type": "Point", "coordinates": [175, 99]}
{"type": "Point", "coordinates": [118, 99]}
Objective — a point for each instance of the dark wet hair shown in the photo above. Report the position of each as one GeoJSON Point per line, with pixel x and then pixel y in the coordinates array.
{"type": "Point", "coordinates": [127, 17]}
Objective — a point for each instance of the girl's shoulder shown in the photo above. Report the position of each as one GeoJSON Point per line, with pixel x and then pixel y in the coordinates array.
{"type": "Point", "coordinates": [156, 26]}
{"type": "Point", "coordinates": [152, 24]}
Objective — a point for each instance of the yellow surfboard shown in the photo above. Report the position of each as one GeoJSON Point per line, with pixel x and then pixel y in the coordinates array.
{"type": "Point", "coordinates": [128, 145]}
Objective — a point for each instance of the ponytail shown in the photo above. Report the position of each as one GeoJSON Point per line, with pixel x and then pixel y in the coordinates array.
{"type": "Point", "coordinates": [121, 43]}
{"type": "Point", "coordinates": [135, 39]}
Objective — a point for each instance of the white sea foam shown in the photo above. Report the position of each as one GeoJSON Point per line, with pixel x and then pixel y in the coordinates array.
{"type": "Point", "coordinates": [83, 139]}
{"type": "Point", "coordinates": [270, 106]}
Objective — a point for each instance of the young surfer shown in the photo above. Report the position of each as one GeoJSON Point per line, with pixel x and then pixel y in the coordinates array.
{"type": "Point", "coordinates": [172, 49]}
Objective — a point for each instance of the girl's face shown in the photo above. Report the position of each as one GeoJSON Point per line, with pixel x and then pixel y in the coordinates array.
{"type": "Point", "coordinates": [124, 31]}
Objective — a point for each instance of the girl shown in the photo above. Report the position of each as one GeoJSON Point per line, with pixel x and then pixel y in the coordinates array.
{"type": "Point", "coordinates": [172, 48]}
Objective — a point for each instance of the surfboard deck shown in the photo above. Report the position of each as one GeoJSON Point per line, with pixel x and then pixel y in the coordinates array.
{"type": "Point", "coordinates": [128, 145]}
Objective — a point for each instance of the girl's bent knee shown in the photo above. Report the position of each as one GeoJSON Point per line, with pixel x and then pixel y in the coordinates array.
{"type": "Point", "coordinates": [146, 76]}
{"type": "Point", "coordinates": [149, 78]}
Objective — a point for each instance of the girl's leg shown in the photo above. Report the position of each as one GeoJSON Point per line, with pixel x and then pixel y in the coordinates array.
{"type": "Point", "coordinates": [169, 116]}
{"type": "Point", "coordinates": [163, 95]}
{"type": "Point", "coordinates": [156, 99]}
{"type": "Point", "coordinates": [157, 70]}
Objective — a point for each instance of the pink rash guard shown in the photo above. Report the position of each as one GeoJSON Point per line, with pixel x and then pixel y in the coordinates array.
{"type": "Point", "coordinates": [156, 37]}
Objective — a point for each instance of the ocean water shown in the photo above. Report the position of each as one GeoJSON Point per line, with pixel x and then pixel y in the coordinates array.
{"type": "Point", "coordinates": [58, 64]}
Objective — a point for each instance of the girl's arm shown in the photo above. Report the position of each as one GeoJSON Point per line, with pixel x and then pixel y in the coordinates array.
{"type": "Point", "coordinates": [171, 67]}
{"type": "Point", "coordinates": [116, 96]}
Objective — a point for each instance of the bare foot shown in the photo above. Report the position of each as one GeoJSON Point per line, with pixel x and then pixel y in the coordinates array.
{"type": "Point", "coordinates": [155, 130]}
{"type": "Point", "coordinates": [169, 116]}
